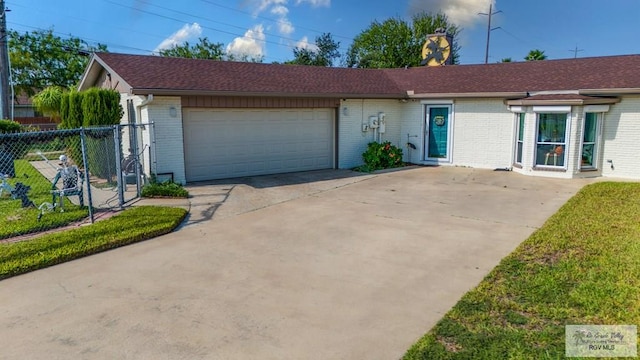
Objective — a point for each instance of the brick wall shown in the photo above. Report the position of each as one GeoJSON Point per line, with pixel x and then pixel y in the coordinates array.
{"type": "Point", "coordinates": [483, 134]}
{"type": "Point", "coordinates": [352, 141]}
{"type": "Point", "coordinates": [621, 136]}
{"type": "Point", "coordinates": [167, 130]}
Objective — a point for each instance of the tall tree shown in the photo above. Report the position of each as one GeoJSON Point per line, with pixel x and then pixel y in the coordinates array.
{"type": "Point", "coordinates": [204, 49]}
{"type": "Point", "coordinates": [535, 55]}
{"type": "Point", "coordinates": [40, 59]}
{"type": "Point", "coordinates": [327, 51]}
{"type": "Point", "coordinates": [397, 43]}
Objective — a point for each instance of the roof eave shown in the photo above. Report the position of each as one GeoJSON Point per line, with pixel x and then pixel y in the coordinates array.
{"type": "Point", "coordinates": [615, 91]}
{"type": "Point", "coordinates": [91, 73]}
{"type": "Point", "coordinates": [183, 92]}
{"type": "Point", "coordinates": [559, 102]}
{"type": "Point", "coordinates": [500, 95]}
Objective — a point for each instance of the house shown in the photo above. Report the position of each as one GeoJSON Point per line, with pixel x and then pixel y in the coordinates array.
{"type": "Point", "coordinates": [25, 113]}
{"type": "Point", "coordinates": [554, 118]}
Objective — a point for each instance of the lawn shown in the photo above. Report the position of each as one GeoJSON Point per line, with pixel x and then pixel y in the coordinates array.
{"type": "Point", "coordinates": [581, 267]}
{"type": "Point", "coordinates": [132, 225]}
{"type": "Point", "coordinates": [17, 220]}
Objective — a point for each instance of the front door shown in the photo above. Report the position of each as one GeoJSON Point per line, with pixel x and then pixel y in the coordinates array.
{"type": "Point", "coordinates": [437, 125]}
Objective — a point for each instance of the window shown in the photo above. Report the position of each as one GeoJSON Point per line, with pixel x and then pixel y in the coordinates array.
{"type": "Point", "coordinates": [551, 142]}
{"type": "Point", "coordinates": [519, 137]}
{"type": "Point", "coordinates": [589, 141]}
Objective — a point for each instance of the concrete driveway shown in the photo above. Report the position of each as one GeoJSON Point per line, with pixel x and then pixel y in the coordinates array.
{"type": "Point", "coordinates": [321, 265]}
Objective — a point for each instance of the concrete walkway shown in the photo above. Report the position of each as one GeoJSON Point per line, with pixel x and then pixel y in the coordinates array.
{"type": "Point", "coordinates": [284, 268]}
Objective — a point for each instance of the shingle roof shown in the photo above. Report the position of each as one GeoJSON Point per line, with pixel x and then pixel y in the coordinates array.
{"type": "Point", "coordinates": [149, 73]}
{"type": "Point", "coordinates": [612, 72]}
{"type": "Point", "coordinates": [164, 73]}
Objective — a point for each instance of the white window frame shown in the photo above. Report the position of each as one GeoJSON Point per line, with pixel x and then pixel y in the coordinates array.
{"type": "Point", "coordinates": [519, 116]}
{"type": "Point", "coordinates": [549, 161]}
{"type": "Point", "coordinates": [596, 143]}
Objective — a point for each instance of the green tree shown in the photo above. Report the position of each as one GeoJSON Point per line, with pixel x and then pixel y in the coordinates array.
{"type": "Point", "coordinates": [396, 43]}
{"type": "Point", "coordinates": [71, 110]}
{"type": "Point", "coordinates": [101, 107]}
{"type": "Point", "coordinates": [324, 56]}
{"type": "Point", "coordinates": [48, 101]}
{"type": "Point", "coordinates": [207, 50]}
{"type": "Point", "coordinates": [40, 59]}
{"type": "Point", "coordinates": [204, 49]}
{"type": "Point", "coordinates": [504, 60]}
{"type": "Point", "coordinates": [245, 58]}
{"type": "Point", "coordinates": [535, 55]}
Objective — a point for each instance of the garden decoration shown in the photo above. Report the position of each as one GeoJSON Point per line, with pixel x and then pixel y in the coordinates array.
{"type": "Point", "coordinates": [5, 187]}
{"type": "Point", "coordinates": [72, 180]}
{"type": "Point", "coordinates": [20, 192]}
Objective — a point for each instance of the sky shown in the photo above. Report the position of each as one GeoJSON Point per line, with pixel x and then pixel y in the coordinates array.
{"type": "Point", "coordinates": [273, 28]}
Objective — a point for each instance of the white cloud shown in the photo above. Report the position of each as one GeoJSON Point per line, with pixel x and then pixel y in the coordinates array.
{"type": "Point", "coordinates": [252, 44]}
{"type": "Point", "coordinates": [315, 3]}
{"type": "Point", "coordinates": [280, 10]}
{"type": "Point", "coordinates": [188, 31]}
{"type": "Point", "coordinates": [260, 6]}
{"type": "Point", "coordinates": [304, 44]}
{"type": "Point", "coordinates": [460, 12]}
{"type": "Point", "coordinates": [285, 27]}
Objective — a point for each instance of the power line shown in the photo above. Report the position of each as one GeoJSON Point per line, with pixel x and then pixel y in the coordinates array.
{"type": "Point", "coordinates": [285, 42]}
{"type": "Point", "coordinates": [183, 21]}
{"type": "Point", "coordinates": [66, 15]}
{"type": "Point", "coordinates": [88, 41]}
{"type": "Point", "coordinates": [272, 19]}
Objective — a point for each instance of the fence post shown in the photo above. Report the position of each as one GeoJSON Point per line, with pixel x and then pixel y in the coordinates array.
{"type": "Point", "coordinates": [83, 146]}
{"type": "Point", "coordinates": [117, 135]}
{"type": "Point", "coordinates": [136, 159]}
{"type": "Point", "coordinates": [153, 150]}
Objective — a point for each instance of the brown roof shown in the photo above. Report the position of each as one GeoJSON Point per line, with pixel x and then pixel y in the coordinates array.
{"type": "Point", "coordinates": [154, 74]}
{"type": "Point", "coordinates": [22, 99]}
{"type": "Point", "coordinates": [612, 72]}
{"type": "Point", "coordinates": [151, 73]}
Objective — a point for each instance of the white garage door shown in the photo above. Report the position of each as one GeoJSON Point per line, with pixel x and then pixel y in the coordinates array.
{"type": "Point", "coordinates": [226, 143]}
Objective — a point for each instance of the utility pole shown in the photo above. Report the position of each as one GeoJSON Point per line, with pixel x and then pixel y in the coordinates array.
{"type": "Point", "coordinates": [489, 29]}
{"type": "Point", "coordinates": [5, 93]}
{"type": "Point", "coordinates": [575, 51]}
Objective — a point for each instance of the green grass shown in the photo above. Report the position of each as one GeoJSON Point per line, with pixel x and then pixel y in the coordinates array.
{"type": "Point", "coordinates": [17, 220]}
{"type": "Point", "coordinates": [581, 267]}
{"type": "Point", "coordinates": [132, 225]}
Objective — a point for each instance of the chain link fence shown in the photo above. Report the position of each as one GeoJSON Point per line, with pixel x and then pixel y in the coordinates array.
{"type": "Point", "coordinates": [50, 179]}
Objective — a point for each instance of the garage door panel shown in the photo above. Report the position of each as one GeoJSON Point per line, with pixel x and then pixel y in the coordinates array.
{"type": "Point", "coordinates": [223, 143]}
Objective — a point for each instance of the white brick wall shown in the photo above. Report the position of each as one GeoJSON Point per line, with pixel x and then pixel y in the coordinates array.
{"type": "Point", "coordinates": [483, 134]}
{"type": "Point", "coordinates": [169, 151]}
{"type": "Point", "coordinates": [353, 141]}
{"type": "Point", "coordinates": [621, 136]}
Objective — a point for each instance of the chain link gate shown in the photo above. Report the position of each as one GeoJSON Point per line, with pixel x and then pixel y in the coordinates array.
{"type": "Point", "coordinates": [50, 179]}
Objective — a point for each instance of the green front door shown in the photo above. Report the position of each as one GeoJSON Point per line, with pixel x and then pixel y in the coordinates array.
{"type": "Point", "coordinates": [437, 137]}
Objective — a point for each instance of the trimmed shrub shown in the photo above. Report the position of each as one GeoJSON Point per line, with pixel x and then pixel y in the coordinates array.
{"type": "Point", "coordinates": [101, 107]}
{"type": "Point", "coordinates": [381, 156]}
